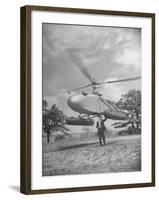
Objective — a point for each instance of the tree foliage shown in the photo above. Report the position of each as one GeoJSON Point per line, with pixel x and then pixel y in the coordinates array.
{"type": "Point", "coordinates": [44, 104]}
{"type": "Point", "coordinates": [53, 119]}
{"type": "Point", "coordinates": [131, 102]}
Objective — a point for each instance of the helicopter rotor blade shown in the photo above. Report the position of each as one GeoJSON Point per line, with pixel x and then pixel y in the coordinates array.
{"type": "Point", "coordinates": [85, 72]}
{"type": "Point", "coordinates": [107, 82]}
{"type": "Point", "coordinates": [120, 80]}
{"type": "Point", "coordinates": [77, 59]}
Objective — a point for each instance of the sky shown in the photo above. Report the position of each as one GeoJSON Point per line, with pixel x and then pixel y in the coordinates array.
{"type": "Point", "coordinates": [108, 53]}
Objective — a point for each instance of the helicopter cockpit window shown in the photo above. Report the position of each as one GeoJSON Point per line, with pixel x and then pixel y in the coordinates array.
{"type": "Point", "coordinates": [84, 93]}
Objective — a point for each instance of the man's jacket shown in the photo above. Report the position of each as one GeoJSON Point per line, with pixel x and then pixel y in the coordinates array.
{"type": "Point", "coordinates": [100, 125]}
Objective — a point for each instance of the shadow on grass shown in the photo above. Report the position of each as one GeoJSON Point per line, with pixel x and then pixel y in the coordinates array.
{"type": "Point", "coordinates": [82, 145]}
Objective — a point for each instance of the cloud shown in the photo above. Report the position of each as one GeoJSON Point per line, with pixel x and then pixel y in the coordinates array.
{"type": "Point", "coordinates": [49, 89]}
{"type": "Point", "coordinates": [105, 51]}
{"type": "Point", "coordinates": [130, 57]}
{"type": "Point", "coordinates": [130, 53]}
{"type": "Point", "coordinates": [113, 91]}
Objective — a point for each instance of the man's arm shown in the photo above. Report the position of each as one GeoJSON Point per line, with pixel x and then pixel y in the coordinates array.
{"type": "Point", "coordinates": [97, 125]}
{"type": "Point", "coordinates": [104, 119]}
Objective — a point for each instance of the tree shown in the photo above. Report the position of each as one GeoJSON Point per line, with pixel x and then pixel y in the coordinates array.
{"type": "Point", "coordinates": [53, 120]}
{"type": "Point", "coordinates": [131, 101]}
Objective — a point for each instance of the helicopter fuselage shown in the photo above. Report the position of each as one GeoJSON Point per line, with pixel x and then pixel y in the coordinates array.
{"type": "Point", "coordinates": [93, 104]}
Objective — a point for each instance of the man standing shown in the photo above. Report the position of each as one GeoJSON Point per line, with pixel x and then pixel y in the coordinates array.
{"type": "Point", "coordinates": [101, 130]}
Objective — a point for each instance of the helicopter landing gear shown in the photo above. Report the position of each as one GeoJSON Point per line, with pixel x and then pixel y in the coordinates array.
{"type": "Point", "coordinates": [83, 116]}
{"type": "Point", "coordinates": [86, 116]}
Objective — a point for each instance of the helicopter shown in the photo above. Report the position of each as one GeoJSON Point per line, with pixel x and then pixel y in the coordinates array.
{"type": "Point", "coordinates": [91, 105]}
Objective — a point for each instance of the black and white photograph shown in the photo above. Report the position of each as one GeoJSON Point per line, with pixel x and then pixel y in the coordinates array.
{"type": "Point", "coordinates": [91, 99]}
{"type": "Point", "coordinates": [88, 99]}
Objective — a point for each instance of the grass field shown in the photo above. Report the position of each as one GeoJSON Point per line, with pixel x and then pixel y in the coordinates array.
{"type": "Point", "coordinates": [76, 156]}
